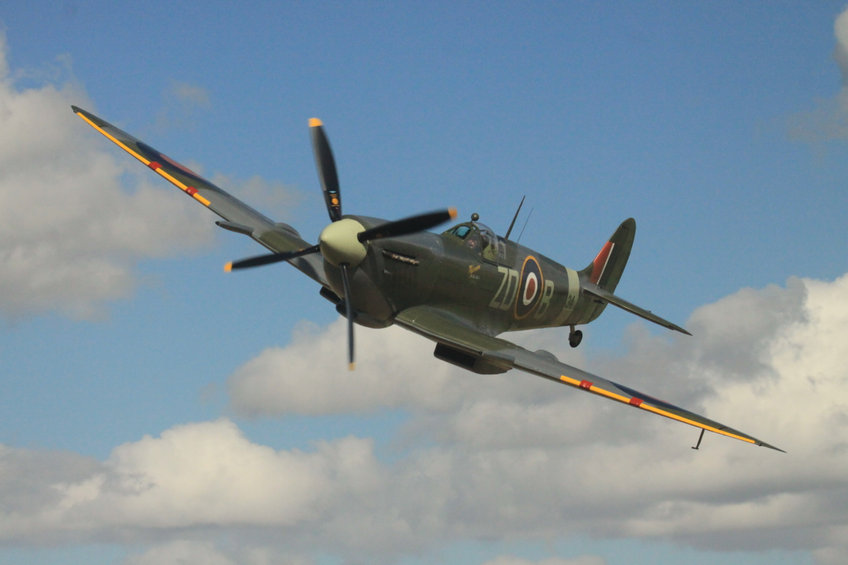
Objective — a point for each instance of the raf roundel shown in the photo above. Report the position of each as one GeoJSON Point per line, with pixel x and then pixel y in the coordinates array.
{"type": "Point", "coordinates": [531, 283]}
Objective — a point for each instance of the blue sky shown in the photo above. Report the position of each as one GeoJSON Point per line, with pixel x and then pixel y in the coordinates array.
{"type": "Point", "coordinates": [153, 408]}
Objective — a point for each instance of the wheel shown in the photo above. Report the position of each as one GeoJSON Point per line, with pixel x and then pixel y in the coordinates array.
{"type": "Point", "coordinates": [575, 337]}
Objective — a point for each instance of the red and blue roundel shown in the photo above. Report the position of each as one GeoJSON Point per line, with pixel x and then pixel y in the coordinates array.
{"type": "Point", "coordinates": [529, 288]}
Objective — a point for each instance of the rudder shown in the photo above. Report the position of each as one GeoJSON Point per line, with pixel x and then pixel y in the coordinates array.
{"type": "Point", "coordinates": [607, 267]}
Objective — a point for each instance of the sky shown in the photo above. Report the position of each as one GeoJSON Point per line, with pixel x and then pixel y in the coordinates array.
{"type": "Point", "coordinates": [154, 409]}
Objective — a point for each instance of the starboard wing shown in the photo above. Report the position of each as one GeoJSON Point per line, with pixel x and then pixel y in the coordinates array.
{"type": "Point", "coordinates": [443, 327]}
{"type": "Point", "coordinates": [238, 216]}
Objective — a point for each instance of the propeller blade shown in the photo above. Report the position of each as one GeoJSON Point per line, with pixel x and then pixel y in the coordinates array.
{"type": "Point", "coordinates": [326, 169]}
{"type": "Point", "coordinates": [269, 258]}
{"type": "Point", "coordinates": [345, 270]}
{"type": "Point", "coordinates": [409, 225]}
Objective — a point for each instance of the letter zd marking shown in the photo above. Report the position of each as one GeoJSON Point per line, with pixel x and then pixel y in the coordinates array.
{"type": "Point", "coordinates": [505, 295]}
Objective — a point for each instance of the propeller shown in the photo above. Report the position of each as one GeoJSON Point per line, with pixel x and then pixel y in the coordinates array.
{"type": "Point", "coordinates": [412, 224]}
{"type": "Point", "coordinates": [269, 258]}
{"type": "Point", "coordinates": [342, 243]}
{"type": "Point", "coordinates": [348, 302]}
{"type": "Point", "coordinates": [326, 166]}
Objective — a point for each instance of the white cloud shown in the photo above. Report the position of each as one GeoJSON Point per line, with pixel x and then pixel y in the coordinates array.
{"type": "Point", "coordinates": [203, 475]}
{"type": "Point", "coordinates": [76, 214]}
{"type": "Point", "coordinates": [394, 369]}
{"type": "Point", "coordinates": [840, 30]}
{"type": "Point", "coordinates": [829, 119]}
{"type": "Point", "coordinates": [70, 230]}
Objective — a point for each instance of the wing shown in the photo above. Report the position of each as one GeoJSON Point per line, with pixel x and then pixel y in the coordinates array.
{"type": "Point", "coordinates": [238, 216]}
{"type": "Point", "coordinates": [443, 327]}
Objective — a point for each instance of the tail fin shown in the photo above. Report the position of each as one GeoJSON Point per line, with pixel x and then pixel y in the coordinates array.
{"type": "Point", "coordinates": [600, 278]}
{"type": "Point", "coordinates": [605, 271]}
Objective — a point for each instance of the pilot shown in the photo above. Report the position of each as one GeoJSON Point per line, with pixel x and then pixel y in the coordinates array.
{"type": "Point", "coordinates": [490, 240]}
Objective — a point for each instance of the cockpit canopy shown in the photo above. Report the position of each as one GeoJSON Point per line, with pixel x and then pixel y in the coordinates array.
{"type": "Point", "coordinates": [477, 236]}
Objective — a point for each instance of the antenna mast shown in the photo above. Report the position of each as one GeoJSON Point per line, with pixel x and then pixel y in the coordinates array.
{"type": "Point", "coordinates": [515, 217]}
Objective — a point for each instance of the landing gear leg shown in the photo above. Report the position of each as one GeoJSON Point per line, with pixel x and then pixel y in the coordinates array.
{"type": "Point", "coordinates": [575, 337]}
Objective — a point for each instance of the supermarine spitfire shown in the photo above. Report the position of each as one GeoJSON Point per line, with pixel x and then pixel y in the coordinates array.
{"type": "Point", "coordinates": [461, 288]}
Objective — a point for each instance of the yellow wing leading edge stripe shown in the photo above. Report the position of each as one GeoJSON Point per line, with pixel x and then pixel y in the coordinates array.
{"type": "Point", "coordinates": [640, 403]}
{"type": "Point", "coordinates": [190, 190]}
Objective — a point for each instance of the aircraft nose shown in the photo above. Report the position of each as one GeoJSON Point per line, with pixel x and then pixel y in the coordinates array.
{"type": "Point", "coordinates": [339, 243]}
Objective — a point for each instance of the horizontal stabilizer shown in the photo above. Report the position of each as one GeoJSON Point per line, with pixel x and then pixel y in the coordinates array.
{"type": "Point", "coordinates": [606, 296]}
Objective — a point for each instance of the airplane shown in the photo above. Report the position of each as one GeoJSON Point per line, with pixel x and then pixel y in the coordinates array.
{"type": "Point", "coordinates": [461, 288]}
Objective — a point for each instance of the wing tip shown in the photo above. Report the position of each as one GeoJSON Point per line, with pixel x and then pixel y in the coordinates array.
{"type": "Point", "coordinates": [764, 444]}
{"type": "Point", "coordinates": [315, 122]}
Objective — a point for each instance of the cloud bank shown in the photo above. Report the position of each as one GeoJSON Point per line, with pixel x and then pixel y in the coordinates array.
{"type": "Point", "coordinates": [74, 217]}
{"type": "Point", "coordinates": [507, 457]}
{"type": "Point", "coordinates": [76, 214]}
{"type": "Point", "coordinates": [828, 121]}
